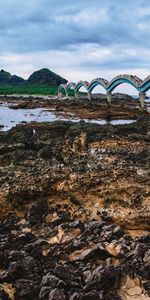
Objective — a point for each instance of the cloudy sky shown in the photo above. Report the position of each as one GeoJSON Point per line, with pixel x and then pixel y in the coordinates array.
{"type": "Point", "coordinates": [79, 39]}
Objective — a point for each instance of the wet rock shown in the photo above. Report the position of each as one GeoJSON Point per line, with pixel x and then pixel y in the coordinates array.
{"type": "Point", "coordinates": [16, 271]}
{"type": "Point", "coordinates": [57, 295]}
{"type": "Point", "coordinates": [113, 296]}
{"type": "Point", "coordinates": [75, 200]}
{"type": "Point", "coordinates": [45, 152]}
{"type": "Point", "coordinates": [77, 224]}
{"type": "Point", "coordinates": [146, 286]}
{"type": "Point", "coordinates": [35, 213]}
{"type": "Point", "coordinates": [3, 295]}
{"type": "Point", "coordinates": [105, 279]}
{"type": "Point", "coordinates": [62, 272]}
{"type": "Point", "coordinates": [26, 289]}
{"type": "Point", "coordinates": [53, 248]}
{"type": "Point", "coordinates": [144, 271]}
{"type": "Point", "coordinates": [140, 249]}
{"type": "Point", "coordinates": [52, 281]}
{"type": "Point", "coordinates": [146, 258]}
{"type": "Point", "coordinates": [95, 253]}
{"type": "Point", "coordinates": [44, 292]}
{"type": "Point", "coordinates": [118, 232]}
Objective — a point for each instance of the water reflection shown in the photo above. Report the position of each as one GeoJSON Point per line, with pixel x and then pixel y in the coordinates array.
{"type": "Point", "coordinates": [10, 117]}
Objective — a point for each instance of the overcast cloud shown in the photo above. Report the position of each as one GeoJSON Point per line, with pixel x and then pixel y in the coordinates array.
{"type": "Point", "coordinates": [78, 39]}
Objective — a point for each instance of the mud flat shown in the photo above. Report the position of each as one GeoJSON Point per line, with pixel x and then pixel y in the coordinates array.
{"type": "Point", "coordinates": [75, 211]}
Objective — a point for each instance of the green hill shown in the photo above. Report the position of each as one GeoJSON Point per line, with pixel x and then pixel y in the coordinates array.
{"type": "Point", "coordinates": [46, 77]}
{"type": "Point", "coordinates": [4, 77]}
{"type": "Point", "coordinates": [7, 79]}
{"type": "Point", "coordinates": [41, 82]}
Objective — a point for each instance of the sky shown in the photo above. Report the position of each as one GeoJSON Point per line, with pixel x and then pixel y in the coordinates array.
{"type": "Point", "coordinates": [78, 39]}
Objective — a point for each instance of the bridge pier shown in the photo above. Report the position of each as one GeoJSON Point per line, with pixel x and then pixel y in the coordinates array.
{"type": "Point", "coordinates": [89, 96]}
{"type": "Point", "coordinates": [109, 95]}
{"type": "Point", "coordinates": [59, 95]}
{"type": "Point", "coordinates": [142, 99]}
{"type": "Point", "coordinates": [76, 96]}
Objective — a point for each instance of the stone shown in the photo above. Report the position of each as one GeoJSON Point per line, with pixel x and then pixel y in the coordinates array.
{"type": "Point", "coordinates": [62, 272]}
{"type": "Point", "coordinates": [74, 200]}
{"type": "Point", "coordinates": [57, 295]}
{"type": "Point", "coordinates": [134, 291]}
{"type": "Point", "coordinates": [146, 258]}
{"type": "Point", "coordinates": [146, 286]}
{"type": "Point", "coordinates": [52, 281]}
{"type": "Point", "coordinates": [86, 296]}
{"type": "Point", "coordinates": [3, 295]}
{"type": "Point", "coordinates": [36, 212]}
{"type": "Point", "coordinates": [95, 253]}
{"type": "Point", "coordinates": [44, 292]}
{"type": "Point", "coordinates": [26, 289]}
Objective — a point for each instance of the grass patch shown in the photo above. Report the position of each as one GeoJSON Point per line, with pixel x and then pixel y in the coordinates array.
{"type": "Point", "coordinates": [28, 89]}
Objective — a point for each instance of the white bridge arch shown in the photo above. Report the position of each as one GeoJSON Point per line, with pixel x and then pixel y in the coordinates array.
{"type": "Point", "coordinates": [142, 86]}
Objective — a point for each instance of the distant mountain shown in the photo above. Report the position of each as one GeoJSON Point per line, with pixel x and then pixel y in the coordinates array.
{"type": "Point", "coordinates": [4, 77]}
{"type": "Point", "coordinates": [15, 80]}
{"type": "Point", "coordinates": [46, 77]}
{"type": "Point", "coordinates": [40, 77]}
{"type": "Point", "coordinates": [7, 78]}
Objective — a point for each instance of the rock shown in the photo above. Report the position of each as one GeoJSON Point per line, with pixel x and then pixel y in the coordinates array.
{"type": "Point", "coordinates": [62, 272]}
{"type": "Point", "coordinates": [146, 286]}
{"type": "Point", "coordinates": [118, 232]}
{"type": "Point", "coordinates": [86, 296]}
{"type": "Point", "coordinates": [95, 253]}
{"type": "Point", "coordinates": [16, 271]}
{"type": "Point", "coordinates": [113, 296]}
{"type": "Point", "coordinates": [36, 212]}
{"type": "Point", "coordinates": [45, 152]}
{"type": "Point", "coordinates": [44, 292]}
{"type": "Point", "coordinates": [105, 279]}
{"type": "Point", "coordinates": [52, 248]}
{"type": "Point", "coordinates": [145, 271]}
{"type": "Point", "coordinates": [26, 289]}
{"type": "Point", "coordinates": [74, 200]}
{"type": "Point", "coordinates": [77, 224]}
{"type": "Point", "coordinates": [57, 295]}
{"type": "Point", "coordinates": [140, 249]}
{"type": "Point", "coordinates": [3, 295]}
{"type": "Point", "coordinates": [52, 281]}
{"type": "Point", "coordinates": [135, 291]}
{"type": "Point", "coordinates": [146, 258]}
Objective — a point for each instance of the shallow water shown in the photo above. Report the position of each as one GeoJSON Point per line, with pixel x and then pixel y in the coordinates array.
{"type": "Point", "coordinates": [10, 117]}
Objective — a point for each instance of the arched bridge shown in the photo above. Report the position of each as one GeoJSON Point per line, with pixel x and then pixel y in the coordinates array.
{"type": "Point", "coordinates": [142, 86]}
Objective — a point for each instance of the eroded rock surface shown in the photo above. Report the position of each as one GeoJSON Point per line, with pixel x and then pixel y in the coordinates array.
{"type": "Point", "coordinates": [75, 211]}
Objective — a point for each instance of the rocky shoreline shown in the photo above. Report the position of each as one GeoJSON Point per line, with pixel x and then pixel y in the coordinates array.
{"type": "Point", "coordinates": [122, 107]}
{"type": "Point", "coordinates": [75, 209]}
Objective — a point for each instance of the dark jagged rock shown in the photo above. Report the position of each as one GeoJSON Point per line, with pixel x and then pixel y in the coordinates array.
{"type": "Point", "coordinates": [4, 295]}
{"type": "Point", "coordinates": [36, 212]}
{"type": "Point", "coordinates": [53, 248]}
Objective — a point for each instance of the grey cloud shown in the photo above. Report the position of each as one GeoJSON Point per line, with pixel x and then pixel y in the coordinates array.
{"type": "Point", "coordinates": [51, 25]}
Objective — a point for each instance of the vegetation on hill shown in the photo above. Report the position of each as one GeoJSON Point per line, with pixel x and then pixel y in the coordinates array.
{"type": "Point", "coordinates": [44, 77]}
{"type": "Point", "coordinates": [28, 89]}
{"type": "Point", "coordinates": [4, 77]}
{"type": "Point", "coordinates": [7, 79]}
{"type": "Point", "coordinates": [41, 82]}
